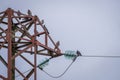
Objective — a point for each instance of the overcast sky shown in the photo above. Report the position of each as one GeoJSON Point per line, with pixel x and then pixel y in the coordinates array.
{"type": "Point", "coordinates": [91, 26]}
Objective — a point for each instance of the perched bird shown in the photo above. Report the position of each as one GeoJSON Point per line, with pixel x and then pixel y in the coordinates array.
{"type": "Point", "coordinates": [19, 13]}
{"type": "Point", "coordinates": [42, 21]}
{"type": "Point", "coordinates": [29, 12]}
{"type": "Point", "coordinates": [78, 53]}
{"type": "Point", "coordinates": [58, 43]}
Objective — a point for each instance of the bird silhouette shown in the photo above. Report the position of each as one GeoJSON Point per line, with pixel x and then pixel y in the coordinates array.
{"type": "Point", "coordinates": [42, 21]}
{"type": "Point", "coordinates": [78, 53]}
{"type": "Point", "coordinates": [29, 12]}
{"type": "Point", "coordinates": [19, 13]}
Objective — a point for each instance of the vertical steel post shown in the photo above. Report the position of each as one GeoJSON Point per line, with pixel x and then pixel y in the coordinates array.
{"type": "Point", "coordinates": [13, 52]}
{"type": "Point", "coordinates": [35, 50]}
{"type": "Point", "coordinates": [9, 13]}
{"type": "Point", "coordinates": [11, 46]}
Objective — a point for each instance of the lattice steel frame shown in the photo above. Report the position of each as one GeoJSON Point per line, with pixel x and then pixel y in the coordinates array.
{"type": "Point", "coordinates": [24, 33]}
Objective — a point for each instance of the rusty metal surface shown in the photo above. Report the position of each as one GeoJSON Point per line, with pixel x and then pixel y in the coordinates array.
{"type": "Point", "coordinates": [24, 33]}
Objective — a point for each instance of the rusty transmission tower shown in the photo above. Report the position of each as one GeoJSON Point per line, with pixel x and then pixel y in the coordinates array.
{"type": "Point", "coordinates": [24, 34]}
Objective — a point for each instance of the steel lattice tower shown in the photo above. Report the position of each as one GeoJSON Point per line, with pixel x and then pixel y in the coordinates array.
{"type": "Point", "coordinates": [24, 33]}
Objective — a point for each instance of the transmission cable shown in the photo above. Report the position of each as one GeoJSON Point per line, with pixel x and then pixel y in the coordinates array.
{"type": "Point", "coordinates": [50, 74]}
{"type": "Point", "coordinates": [73, 62]}
{"type": "Point", "coordinates": [100, 56]}
{"type": "Point", "coordinates": [79, 54]}
{"type": "Point", "coordinates": [60, 74]}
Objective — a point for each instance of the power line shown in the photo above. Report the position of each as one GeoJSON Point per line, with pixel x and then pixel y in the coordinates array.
{"type": "Point", "coordinates": [100, 56]}
{"type": "Point", "coordinates": [60, 74]}
{"type": "Point", "coordinates": [48, 73]}
{"type": "Point", "coordinates": [94, 56]}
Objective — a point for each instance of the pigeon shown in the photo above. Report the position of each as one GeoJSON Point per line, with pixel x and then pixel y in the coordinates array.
{"type": "Point", "coordinates": [42, 21]}
{"type": "Point", "coordinates": [78, 53]}
{"type": "Point", "coordinates": [19, 13]}
{"type": "Point", "coordinates": [58, 43]}
{"type": "Point", "coordinates": [29, 12]}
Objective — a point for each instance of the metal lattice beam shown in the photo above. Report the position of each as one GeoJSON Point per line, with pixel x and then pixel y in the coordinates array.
{"type": "Point", "coordinates": [24, 33]}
